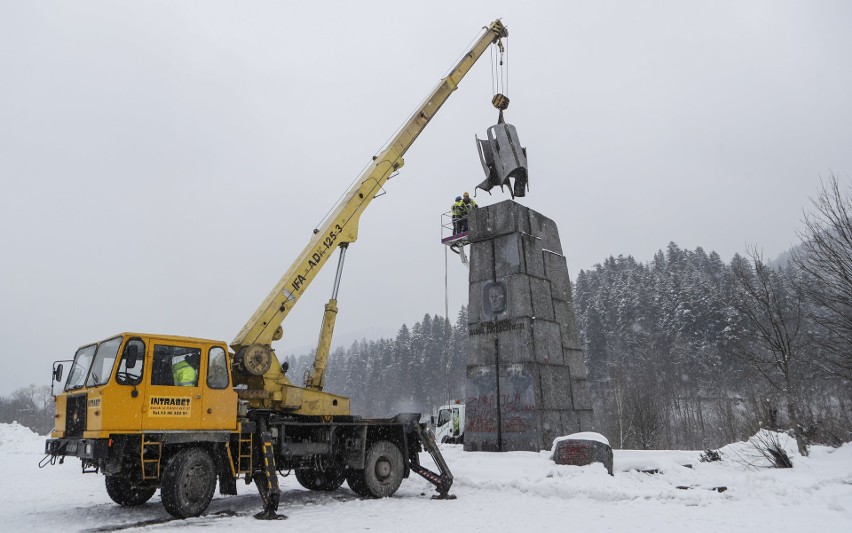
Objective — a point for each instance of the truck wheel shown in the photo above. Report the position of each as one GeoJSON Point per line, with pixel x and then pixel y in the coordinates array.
{"type": "Point", "coordinates": [188, 483]}
{"type": "Point", "coordinates": [355, 480]}
{"type": "Point", "coordinates": [382, 474]}
{"type": "Point", "coordinates": [125, 493]}
{"type": "Point", "coordinates": [312, 479]}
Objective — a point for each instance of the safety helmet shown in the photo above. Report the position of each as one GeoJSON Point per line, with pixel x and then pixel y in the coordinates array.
{"type": "Point", "coordinates": [466, 195]}
{"type": "Point", "coordinates": [458, 198]}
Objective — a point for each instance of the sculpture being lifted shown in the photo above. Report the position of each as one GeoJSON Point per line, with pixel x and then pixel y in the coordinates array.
{"type": "Point", "coordinates": [502, 156]}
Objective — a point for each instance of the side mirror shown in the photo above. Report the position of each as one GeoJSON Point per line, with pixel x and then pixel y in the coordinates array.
{"type": "Point", "coordinates": [131, 354]}
{"type": "Point", "coordinates": [57, 372]}
{"type": "Point", "coordinates": [432, 419]}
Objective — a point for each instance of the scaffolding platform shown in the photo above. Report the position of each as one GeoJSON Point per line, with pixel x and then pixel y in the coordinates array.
{"type": "Point", "coordinates": [449, 237]}
{"type": "Point", "coordinates": [459, 239]}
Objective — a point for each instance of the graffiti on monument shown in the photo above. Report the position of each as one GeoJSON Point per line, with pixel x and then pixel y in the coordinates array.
{"type": "Point", "coordinates": [516, 404]}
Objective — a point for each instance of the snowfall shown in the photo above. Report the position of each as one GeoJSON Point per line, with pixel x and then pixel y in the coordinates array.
{"type": "Point", "coordinates": [658, 491]}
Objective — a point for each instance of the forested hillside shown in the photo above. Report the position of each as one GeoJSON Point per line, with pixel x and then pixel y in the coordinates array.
{"type": "Point", "coordinates": [676, 360]}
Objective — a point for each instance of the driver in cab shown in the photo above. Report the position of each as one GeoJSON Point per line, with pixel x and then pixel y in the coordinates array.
{"type": "Point", "coordinates": [184, 371]}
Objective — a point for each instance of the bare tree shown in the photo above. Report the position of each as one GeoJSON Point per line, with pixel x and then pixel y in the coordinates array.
{"type": "Point", "coordinates": [31, 406]}
{"type": "Point", "coordinates": [825, 256]}
{"type": "Point", "coordinates": [776, 319]}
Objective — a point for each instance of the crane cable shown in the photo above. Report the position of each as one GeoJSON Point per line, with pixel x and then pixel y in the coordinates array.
{"type": "Point", "coordinates": [448, 328]}
{"type": "Point", "coordinates": [500, 68]}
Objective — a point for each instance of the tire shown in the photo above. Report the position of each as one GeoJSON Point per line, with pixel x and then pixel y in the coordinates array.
{"type": "Point", "coordinates": [125, 493]}
{"type": "Point", "coordinates": [188, 483]}
{"type": "Point", "coordinates": [382, 474]}
{"type": "Point", "coordinates": [327, 480]}
{"type": "Point", "coordinates": [355, 480]}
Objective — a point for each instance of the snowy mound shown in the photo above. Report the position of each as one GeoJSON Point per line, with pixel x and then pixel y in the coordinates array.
{"type": "Point", "coordinates": [749, 453]}
{"type": "Point", "coordinates": [15, 438]}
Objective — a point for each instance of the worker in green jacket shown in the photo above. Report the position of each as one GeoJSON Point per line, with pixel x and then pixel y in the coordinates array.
{"type": "Point", "coordinates": [457, 210]}
{"type": "Point", "coordinates": [185, 371]}
{"type": "Point", "coordinates": [467, 205]}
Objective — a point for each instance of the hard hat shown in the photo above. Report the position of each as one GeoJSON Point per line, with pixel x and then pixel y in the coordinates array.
{"type": "Point", "coordinates": [466, 195]}
{"type": "Point", "coordinates": [458, 198]}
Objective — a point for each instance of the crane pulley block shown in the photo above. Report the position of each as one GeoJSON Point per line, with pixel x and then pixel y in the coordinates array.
{"type": "Point", "coordinates": [503, 159]}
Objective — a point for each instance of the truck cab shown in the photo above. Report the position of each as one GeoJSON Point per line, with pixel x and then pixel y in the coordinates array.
{"type": "Point", "coordinates": [133, 383]}
{"type": "Point", "coordinates": [448, 426]}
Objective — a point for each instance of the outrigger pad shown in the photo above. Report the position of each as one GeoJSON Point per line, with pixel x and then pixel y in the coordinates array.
{"type": "Point", "coordinates": [503, 159]}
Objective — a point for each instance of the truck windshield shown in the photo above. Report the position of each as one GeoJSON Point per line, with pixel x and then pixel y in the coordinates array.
{"type": "Point", "coordinates": [103, 363]}
{"type": "Point", "coordinates": [80, 367]}
{"type": "Point", "coordinates": [95, 361]}
{"type": "Point", "coordinates": [444, 416]}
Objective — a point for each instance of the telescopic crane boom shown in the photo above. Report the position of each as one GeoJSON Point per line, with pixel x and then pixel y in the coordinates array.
{"type": "Point", "coordinates": [253, 343]}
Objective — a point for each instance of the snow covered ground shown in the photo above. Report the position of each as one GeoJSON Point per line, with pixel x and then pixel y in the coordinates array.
{"type": "Point", "coordinates": [519, 491]}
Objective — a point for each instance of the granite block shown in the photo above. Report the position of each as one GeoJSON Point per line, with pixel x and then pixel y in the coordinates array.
{"type": "Point", "coordinates": [541, 299]}
{"type": "Point", "coordinates": [580, 394]}
{"type": "Point", "coordinates": [555, 387]}
{"type": "Point", "coordinates": [497, 219]}
{"type": "Point", "coordinates": [515, 341]}
{"type": "Point", "coordinates": [550, 424]}
{"type": "Point", "coordinates": [576, 362]}
{"type": "Point", "coordinates": [586, 420]}
{"type": "Point", "coordinates": [564, 316]}
{"type": "Point", "coordinates": [545, 229]}
{"type": "Point", "coordinates": [533, 255]}
{"type": "Point", "coordinates": [519, 296]}
{"type": "Point", "coordinates": [482, 347]}
{"type": "Point", "coordinates": [481, 261]}
{"type": "Point", "coordinates": [547, 342]}
{"type": "Point", "coordinates": [508, 256]}
{"type": "Point", "coordinates": [571, 421]}
{"type": "Point", "coordinates": [556, 271]}
{"type": "Point", "coordinates": [475, 311]}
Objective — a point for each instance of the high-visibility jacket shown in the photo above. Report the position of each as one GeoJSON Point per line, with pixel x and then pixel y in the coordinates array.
{"type": "Point", "coordinates": [459, 209]}
{"type": "Point", "coordinates": [184, 375]}
{"type": "Point", "coordinates": [468, 207]}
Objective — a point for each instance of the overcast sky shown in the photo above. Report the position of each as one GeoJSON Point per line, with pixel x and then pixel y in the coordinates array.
{"type": "Point", "coordinates": [162, 163]}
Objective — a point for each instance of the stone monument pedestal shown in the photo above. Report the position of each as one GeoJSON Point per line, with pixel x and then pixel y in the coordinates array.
{"type": "Point", "coordinates": [526, 374]}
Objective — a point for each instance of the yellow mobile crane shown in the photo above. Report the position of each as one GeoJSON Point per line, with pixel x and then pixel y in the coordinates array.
{"type": "Point", "coordinates": [176, 413]}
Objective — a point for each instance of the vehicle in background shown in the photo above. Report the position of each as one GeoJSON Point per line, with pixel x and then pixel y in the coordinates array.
{"type": "Point", "coordinates": [448, 426]}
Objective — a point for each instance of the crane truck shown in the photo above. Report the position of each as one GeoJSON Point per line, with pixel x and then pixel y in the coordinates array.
{"type": "Point", "coordinates": [179, 413]}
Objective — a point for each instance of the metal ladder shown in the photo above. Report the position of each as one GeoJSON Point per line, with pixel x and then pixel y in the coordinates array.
{"type": "Point", "coordinates": [151, 452]}
{"type": "Point", "coordinates": [243, 463]}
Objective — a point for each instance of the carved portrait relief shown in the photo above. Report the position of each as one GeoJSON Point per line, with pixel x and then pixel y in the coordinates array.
{"type": "Point", "coordinates": [495, 301]}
